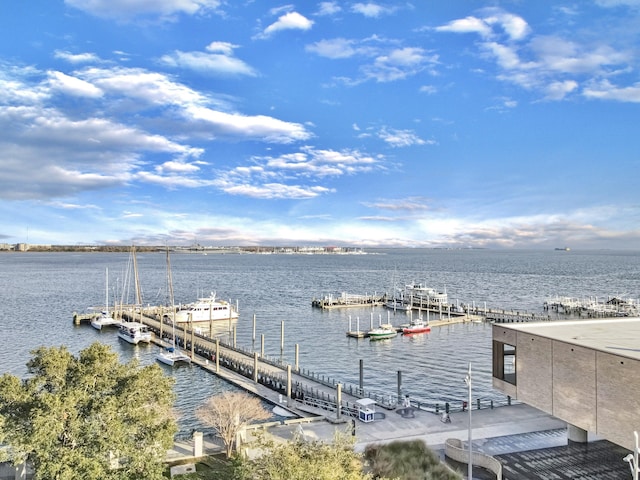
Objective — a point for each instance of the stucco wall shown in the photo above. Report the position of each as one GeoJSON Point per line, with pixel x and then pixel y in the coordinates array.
{"type": "Point", "coordinates": [618, 398]}
{"type": "Point", "coordinates": [534, 371]}
{"type": "Point", "coordinates": [574, 385]}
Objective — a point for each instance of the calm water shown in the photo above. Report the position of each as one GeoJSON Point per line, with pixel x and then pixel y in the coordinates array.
{"type": "Point", "coordinates": [40, 292]}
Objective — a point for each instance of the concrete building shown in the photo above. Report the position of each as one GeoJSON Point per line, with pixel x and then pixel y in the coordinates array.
{"type": "Point", "coordinates": [584, 372]}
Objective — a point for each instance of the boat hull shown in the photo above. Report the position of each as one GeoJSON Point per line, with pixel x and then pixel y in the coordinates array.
{"type": "Point", "coordinates": [410, 331]}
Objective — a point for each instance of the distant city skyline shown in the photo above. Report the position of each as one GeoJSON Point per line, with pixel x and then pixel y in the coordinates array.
{"type": "Point", "coordinates": [497, 124]}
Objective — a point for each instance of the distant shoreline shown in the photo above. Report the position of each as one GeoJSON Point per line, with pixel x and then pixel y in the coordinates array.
{"type": "Point", "coordinates": [23, 248]}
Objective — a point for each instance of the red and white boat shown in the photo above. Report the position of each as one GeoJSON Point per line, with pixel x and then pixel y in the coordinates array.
{"type": "Point", "coordinates": [416, 326]}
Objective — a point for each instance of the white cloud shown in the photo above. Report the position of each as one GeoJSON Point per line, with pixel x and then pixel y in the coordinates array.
{"type": "Point", "coordinates": [210, 63]}
{"type": "Point", "coordinates": [399, 63]}
{"type": "Point", "coordinates": [604, 90]}
{"type": "Point", "coordinates": [130, 9]}
{"type": "Point", "coordinates": [494, 21]}
{"type": "Point", "coordinates": [263, 127]}
{"type": "Point", "coordinates": [328, 8]}
{"type": "Point", "coordinates": [548, 64]}
{"type": "Point", "coordinates": [558, 90]}
{"type": "Point", "coordinates": [336, 48]}
{"type": "Point", "coordinates": [72, 86]}
{"type": "Point", "coordinates": [76, 58]}
{"type": "Point", "coordinates": [288, 21]}
{"type": "Point", "coordinates": [514, 26]}
{"type": "Point", "coordinates": [151, 89]}
{"type": "Point", "coordinates": [568, 57]}
{"type": "Point", "coordinates": [274, 191]}
{"type": "Point", "coordinates": [466, 25]}
{"type": "Point", "coordinates": [281, 176]}
{"type": "Point", "coordinates": [371, 10]}
{"type": "Point", "coordinates": [401, 138]}
{"type": "Point", "coordinates": [617, 3]}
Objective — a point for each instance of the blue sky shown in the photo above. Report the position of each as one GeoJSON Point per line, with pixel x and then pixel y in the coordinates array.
{"type": "Point", "coordinates": [506, 124]}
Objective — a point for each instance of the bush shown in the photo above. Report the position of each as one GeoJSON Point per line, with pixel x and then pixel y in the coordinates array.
{"type": "Point", "coordinates": [408, 460]}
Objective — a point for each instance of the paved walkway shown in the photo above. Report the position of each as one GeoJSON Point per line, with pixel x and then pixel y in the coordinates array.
{"type": "Point", "coordinates": [529, 443]}
{"type": "Point", "coordinates": [397, 425]}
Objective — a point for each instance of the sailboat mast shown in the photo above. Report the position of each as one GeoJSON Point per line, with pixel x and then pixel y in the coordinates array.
{"type": "Point", "coordinates": [135, 276]}
{"type": "Point", "coordinates": [106, 298]}
{"type": "Point", "coordinates": [169, 280]}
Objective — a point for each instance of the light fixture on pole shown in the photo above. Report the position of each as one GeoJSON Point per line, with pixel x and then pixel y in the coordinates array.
{"type": "Point", "coordinates": [467, 380]}
{"type": "Point", "coordinates": [632, 458]}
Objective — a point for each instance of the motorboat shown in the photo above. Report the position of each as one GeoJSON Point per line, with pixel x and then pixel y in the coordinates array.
{"type": "Point", "coordinates": [104, 319]}
{"type": "Point", "coordinates": [416, 326]}
{"type": "Point", "coordinates": [422, 295]}
{"type": "Point", "coordinates": [206, 310]}
{"type": "Point", "coordinates": [383, 331]}
{"type": "Point", "coordinates": [172, 356]}
{"type": "Point", "coordinates": [398, 304]}
{"type": "Point", "coordinates": [134, 332]}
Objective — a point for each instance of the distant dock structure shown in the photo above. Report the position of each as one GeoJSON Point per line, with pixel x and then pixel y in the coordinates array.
{"type": "Point", "coordinates": [594, 307]}
{"type": "Point", "coordinates": [344, 299]}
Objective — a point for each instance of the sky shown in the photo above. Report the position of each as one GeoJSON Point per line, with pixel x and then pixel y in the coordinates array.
{"type": "Point", "coordinates": [457, 124]}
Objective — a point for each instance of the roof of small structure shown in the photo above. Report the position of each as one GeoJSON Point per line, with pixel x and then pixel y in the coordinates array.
{"type": "Point", "coordinates": [365, 402]}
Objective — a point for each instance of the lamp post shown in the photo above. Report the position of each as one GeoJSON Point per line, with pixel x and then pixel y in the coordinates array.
{"type": "Point", "coordinates": [467, 380]}
{"type": "Point", "coordinates": [632, 458]}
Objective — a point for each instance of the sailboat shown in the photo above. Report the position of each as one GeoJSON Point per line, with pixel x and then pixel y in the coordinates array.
{"type": "Point", "coordinates": [172, 355]}
{"type": "Point", "coordinates": [105, 319]}
{"type": "Point", "coordinates": [134, 332]}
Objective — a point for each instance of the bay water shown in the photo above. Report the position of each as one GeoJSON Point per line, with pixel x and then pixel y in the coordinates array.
{"type": "Point", "coordinates": [39, 293]}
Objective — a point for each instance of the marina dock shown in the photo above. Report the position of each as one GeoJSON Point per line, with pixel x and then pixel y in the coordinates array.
{"type": "Point", "coordinates": [289, 384]}
{"type": "Point", "coordinates": [345, 300]}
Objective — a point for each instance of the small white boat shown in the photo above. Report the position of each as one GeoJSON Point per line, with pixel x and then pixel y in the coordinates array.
{"type": "Point", "coordinates": [172, 356]}
{"type": "Point", "coordinates": [398, 304]}
{"type": "Point", "coordinates": [104, 319]}
{"type": "Point", "coordinates": [416, 326]}
{"type": "Point", "coordinates": [383, 331]}
{"type": "Point", "coordinates": [134, 332]}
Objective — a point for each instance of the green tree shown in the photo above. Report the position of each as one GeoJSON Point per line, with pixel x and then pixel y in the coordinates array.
{"type": "Point", "coordinates": [230, 412]}
{"type": "Point", "coordinates": [88, 416]}
{"type": "Point", "coordinates": [305, 460]}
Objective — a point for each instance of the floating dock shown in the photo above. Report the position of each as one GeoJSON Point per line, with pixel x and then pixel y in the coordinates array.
{"type": "Point", "coordinates": [344, 300]}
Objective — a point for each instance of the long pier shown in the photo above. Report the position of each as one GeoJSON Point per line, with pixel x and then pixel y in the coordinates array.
{"type": "Point", "coordinates": [289, 386]}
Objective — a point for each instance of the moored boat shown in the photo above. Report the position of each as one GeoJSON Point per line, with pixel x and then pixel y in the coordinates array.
{"type": "Point", "coordinates": [172, 356]}
{"type": "Point", "coordinates": [206, 310]}
{"type": "Point", "coordinates": [398, 304]}
{"type": "Point", "coordinates": [134, 332]}
{"type": "Point", "coordinates": [383, 331]}
{"type": "Point", "coordinates": [416, 326]}
{"type": "Point", "coordinates": [422, 295]}
{"type": "Point", "coordinates": [105, 319]}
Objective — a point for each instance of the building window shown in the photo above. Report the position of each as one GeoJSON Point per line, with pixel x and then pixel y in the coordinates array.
{"type": "Point", "coordinates": [504, 362]}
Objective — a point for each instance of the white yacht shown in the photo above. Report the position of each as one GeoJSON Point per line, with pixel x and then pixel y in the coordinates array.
{"type": "Point", "coordinates": [206, 310]}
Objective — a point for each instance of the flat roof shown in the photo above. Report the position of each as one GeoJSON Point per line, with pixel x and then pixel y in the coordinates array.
{"type": "Point", "coordinates": [618, 336]}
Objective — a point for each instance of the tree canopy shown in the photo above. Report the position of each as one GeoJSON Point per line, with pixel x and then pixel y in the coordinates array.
{"type": "Point", "coordinates": [88, 416]}
{"type": "Point", "coordinates": [229, 412]}
{"type": "Point", "coordinates": [305, 460]}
